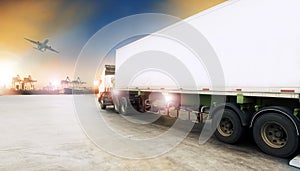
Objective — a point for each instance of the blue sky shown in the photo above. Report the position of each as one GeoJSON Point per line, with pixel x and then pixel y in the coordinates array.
{"type": "Point", "coordinates": [68, 24]}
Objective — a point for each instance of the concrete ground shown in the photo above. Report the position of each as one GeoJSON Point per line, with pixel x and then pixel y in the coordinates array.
{"type": "Point", "coordinates": [44, 133]}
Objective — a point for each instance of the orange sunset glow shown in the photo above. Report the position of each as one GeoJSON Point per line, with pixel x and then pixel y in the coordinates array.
{"type": "Point", "coordinates": [187, 8]}
{"type": "Point", "coordinates": [67, 25]}
{"type": "Point", "coordinates": [37, 19]}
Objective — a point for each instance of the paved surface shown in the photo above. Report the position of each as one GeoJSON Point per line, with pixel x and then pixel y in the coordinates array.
{"type": "Point", "coordinates": [43, 133]}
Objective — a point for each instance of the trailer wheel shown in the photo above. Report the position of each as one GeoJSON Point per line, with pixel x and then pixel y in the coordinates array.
{"type": "Point", "coordinates": [116, 104]}
{"type": "Point", "coordinates": [230, 129]}
{"type": "Point", "coordinates": [147, 106]}
{"type": "Point", "coordinates": [123, 110]}
{"type": "Point", "coordinates": [275, 134]}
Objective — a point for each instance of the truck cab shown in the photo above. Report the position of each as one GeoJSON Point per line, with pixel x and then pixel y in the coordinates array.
{"type": "Point", "coordinates": [106, 85]}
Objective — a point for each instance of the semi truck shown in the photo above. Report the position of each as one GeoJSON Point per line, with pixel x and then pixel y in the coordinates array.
{"type": "Point", "coordinates": [256, 45]}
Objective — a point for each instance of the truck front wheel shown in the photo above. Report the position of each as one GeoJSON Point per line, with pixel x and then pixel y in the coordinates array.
{"type": "Point", "coordinates": [230, 129]}
{"type": "Point", "coordinates": [102, 105]}
{"type": "Point", "coordinates": [275, 134]}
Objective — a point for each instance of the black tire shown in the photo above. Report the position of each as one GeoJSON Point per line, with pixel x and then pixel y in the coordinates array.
{"type": "Point", "coordinates": [123, 110]}
{"type": "Point", "coordinates": [102, 105]}
{"type": "Point", "coordinates": [276, 135]}
{"type": "Point", "coordinates": [116, 104]}
{"type": "Point", "coordinates": [230, 129]}
{"type": "Point", "coordinates": [117, 107]}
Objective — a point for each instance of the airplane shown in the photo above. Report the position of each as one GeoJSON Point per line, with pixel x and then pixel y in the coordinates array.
{"type": "Point", "coordinates": [42, 46]}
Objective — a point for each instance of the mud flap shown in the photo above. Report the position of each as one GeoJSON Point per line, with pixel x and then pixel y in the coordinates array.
{"type": "Point", "coordinates": [295, 161]}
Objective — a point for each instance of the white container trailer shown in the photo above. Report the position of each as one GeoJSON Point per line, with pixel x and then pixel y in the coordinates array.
{"type": "Point", "coordinates": [256, 49]}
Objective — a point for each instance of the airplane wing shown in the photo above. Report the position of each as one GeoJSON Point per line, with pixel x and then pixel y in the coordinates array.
{"type": "Point", "coordinates": [50, 48]}
{"type": "Point", "coordinates": [32, 41]}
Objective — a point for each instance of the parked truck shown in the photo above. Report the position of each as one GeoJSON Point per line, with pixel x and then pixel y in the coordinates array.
{"type": "Point", "coordinates": [257, 44]}
{"type": "Point", "coordinates": [106, 85]}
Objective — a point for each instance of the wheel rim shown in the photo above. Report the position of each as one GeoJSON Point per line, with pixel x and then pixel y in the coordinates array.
{"type": "Point", "coordinates": [274, 135]}
{"type": "Point", "coordinates": [225, 128]}
{"type": "Point", "coordinates": [147, 105]}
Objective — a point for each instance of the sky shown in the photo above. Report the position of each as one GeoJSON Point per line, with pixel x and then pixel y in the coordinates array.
{"type": "Point", "coordinates": [68, 24]}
